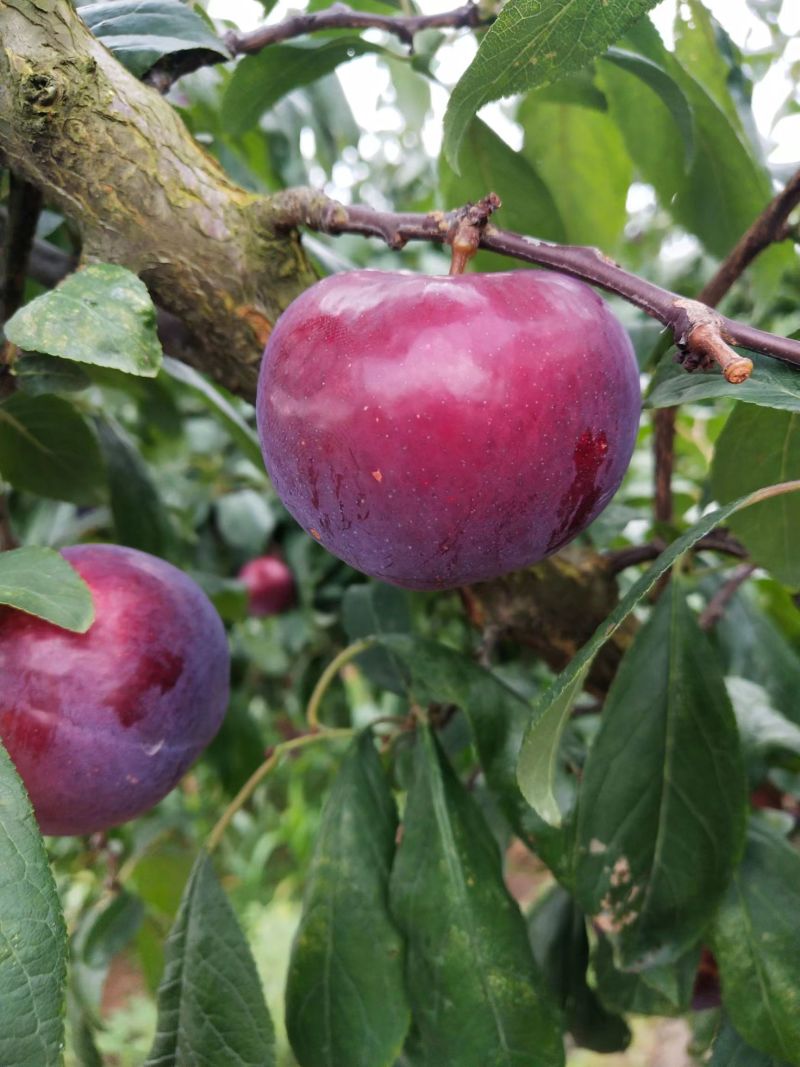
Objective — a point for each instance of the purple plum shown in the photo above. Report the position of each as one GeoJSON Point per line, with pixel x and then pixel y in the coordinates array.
{"type": "Point", "coordinates": [270, 585]}
{"type": "Point", "coordinates": [438, 431]}
{"type": "Point", "coordinates": [102, 725]}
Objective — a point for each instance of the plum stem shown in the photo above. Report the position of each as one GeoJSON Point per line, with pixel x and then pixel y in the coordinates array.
{"type": "Point", "coordinates": [261, 772]}
{"type": "Point", "coordinates": [464, 237]}
{"type": "Point", "coordinates": [308, 207]}
{"type": "Point", "coordinates": [328, 676]}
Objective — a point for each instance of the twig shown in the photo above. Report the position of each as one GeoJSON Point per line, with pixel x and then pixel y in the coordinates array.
{"type": "Point", "coordinates": [260, 773]}
{"type": "Point", "coordinates": [720, 540]}
{"type": "Point", "coordinates": [769, 227]}
{"type": "Point", "coordinates": [24, 208]}
{"type": "Point", "coordinates": [307, 207]}
{"type": "Point", "coordinates": [336, 17]}
{"type": "Point", "coordinates": [328, 675]}
{"type": "Point", "coordinates": [716, 606]}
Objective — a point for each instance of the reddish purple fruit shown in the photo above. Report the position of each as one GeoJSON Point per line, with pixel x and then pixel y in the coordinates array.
{"type": "Point", "coordinates": [270, 585]}
{"type": "Point", "coordinates": [438, 431]}
{"type": "Point", "coordinates": [102, 725]}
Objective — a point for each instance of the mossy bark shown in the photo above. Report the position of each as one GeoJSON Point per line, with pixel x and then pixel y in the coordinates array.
{"type": "Point", "coordinates": [115, 157]}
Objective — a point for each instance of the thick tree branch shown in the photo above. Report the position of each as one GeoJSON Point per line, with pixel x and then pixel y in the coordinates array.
{"type": "Point", "coordinates": [309, 208]}
{"type": "Point", "coordinates": [117, 159]}
{"type": "Point", "coordinates": [335, 17]}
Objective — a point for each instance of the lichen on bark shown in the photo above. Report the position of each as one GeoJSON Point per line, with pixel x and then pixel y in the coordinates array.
{"type": "Point", "coordinates": [116, 158]}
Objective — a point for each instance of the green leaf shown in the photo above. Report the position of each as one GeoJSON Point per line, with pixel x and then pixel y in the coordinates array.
{"type": "Point", "coordinates": [219, 404]}
{"type": "Point", "coordinates": [36, 374]}
{"type": "Point", "coordinates": [104, 931]}
{"type": "Point", "coordinates": [662, 805]}
{"type": "Point", "coordinates": [489, 165]}
{"type": "Point", "coordinates": [345, 996]}
{"type": "Point", "coordinates": [260, 81]}
{"type": "Point", "coordinates": [752, 647]}
{"type": "Point", "coordinates": [40, 582]}
{"type": "Point", "coordinates": [477, 997]}
{"type": "Point", "coordinates": [549, 709]}
{"type": "Point", "coordinates": [665, 87]}
{"type": "Point", "coordinates": [761, 728]}
{"type": "Point", "coordinates": [140, 520]}
{"type": "Point", "coordinates": [497, 717]}
{"type": "Point", "coordinates": [539, 758]}
{"type": "Point", "coordinates": [47, 448]}
{"type": "Point", "coordinates": [772, 384]}
{"type": "Point", "coordinates": [761, 447]}
{"type": "Point", "coordinates": [731, 1051]}
{"type": "Point", "coordinates": [141, 32]}
{"type": "Point", "coordinates": [665, 989]}
{"type": "Point", "coordinates": [377, 608]}
{"type": "Point", "coordinates": [533, 43]}
{"type": "Point", "coordinates": [33, 938]}
{"type": "Point", "coordinates": [575, 149]}
{"type": "Point", "coordinates": [756, 940]}
{"type": "Point", "coordinates": [210, 1004]}
{"type": "Point", "coordinates": [557, 931]}
{"type": "Point", "coordinates": [101, 314]}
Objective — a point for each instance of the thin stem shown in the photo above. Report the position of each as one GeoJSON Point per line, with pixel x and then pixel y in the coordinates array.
{"type": "Point", "coordinates": [327, 677]}
{"type": "Point", "coordinates": [717, 605]}
{"type": "Point", "coordinates": [336, 17]}
{"type": "Point", "coordinates": [261, 773]}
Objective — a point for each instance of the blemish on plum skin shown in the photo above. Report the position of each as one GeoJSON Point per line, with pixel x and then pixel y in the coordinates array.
{"type": "Point", "coordinates": [377, 475]}
{"type": "Point", "coordinates": [315, 534]}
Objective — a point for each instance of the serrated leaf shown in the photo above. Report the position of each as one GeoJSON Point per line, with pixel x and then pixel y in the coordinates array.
{"type": "Point", "coordinates": [260, 81]}
{"type": "Point", "coordinates": [662, 805]}
{"type": "Point", "coordinates": [33, 938]}
{"type": "Point", "coordinates": [772, 384]}
{"type": "Point", "coordinates": [345, 996]}
{"type": "Point", "coordinates": [141, 32]}
{"type": "Point", "coordinates": [497, 717]}
{"type": "Point", "coordinates": [47, 448]}
{"type": "Point", "coordinates": [477, 996]}
{"type": "Point", "coordinates": [377, 608]}
{"type": "Point", "coordinates": [210, 1005]}
{"type": "Point", "coordinates": [101, 314]}
{"type": "Point", "coordinates": [575, 149]}
{"type": "Point", "coordinates": [40, 582]}
{"type": "Point", "coordinates": [548, 710]}
{"type": "Point", "coordinates": [730, 1050]}
{"type": "Point", "coordinates": [760, 447]}
{"type": "Point", "coordinates": [489, 165]}
{"type": "Point", "coordinates": [140, 520]}
{"type": "Point", "coordinates": [533, 43]}
{"type": "Point", "coordinates": [756, 940]}
{"type": "Point", "coordinates": [557, 930]}
{"type": "Point", "coordinates": [218, 403]}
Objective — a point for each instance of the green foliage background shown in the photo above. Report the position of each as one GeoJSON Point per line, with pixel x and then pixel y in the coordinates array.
{"type": "Point", "coordinates": [650, 153]}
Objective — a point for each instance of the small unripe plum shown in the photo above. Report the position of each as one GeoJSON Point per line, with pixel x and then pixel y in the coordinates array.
{"type": "Point", "coordinates": [439, 431]}
{"type": "Point", "coordinates": [270, 585]}
{"type": "Point", "coordinates": [102, 725]}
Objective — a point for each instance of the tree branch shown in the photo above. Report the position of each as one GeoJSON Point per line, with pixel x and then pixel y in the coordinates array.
{"type": "Point", "coordinates": [717, 605]}
{"type": "Point", "coordinates": [768, 228]}
{"type": "Point", "coordinates": [336, 17]}
{"type": "Point", "coordinates": [307, 207]}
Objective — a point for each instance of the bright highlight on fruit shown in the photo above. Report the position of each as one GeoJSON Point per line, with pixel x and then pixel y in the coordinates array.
{"type": "Point", "coordinates": [438, 431]}
{"type": "Point", "coordinates": [102, 725]}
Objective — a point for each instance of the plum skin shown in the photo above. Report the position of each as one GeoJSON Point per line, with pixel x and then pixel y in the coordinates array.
{"type": "Point", "coordinates": [439, 431]}
{"type": "Point", "coordinates": [102, 725]}
{"type": "Point", "coordinates": [269, 584]}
